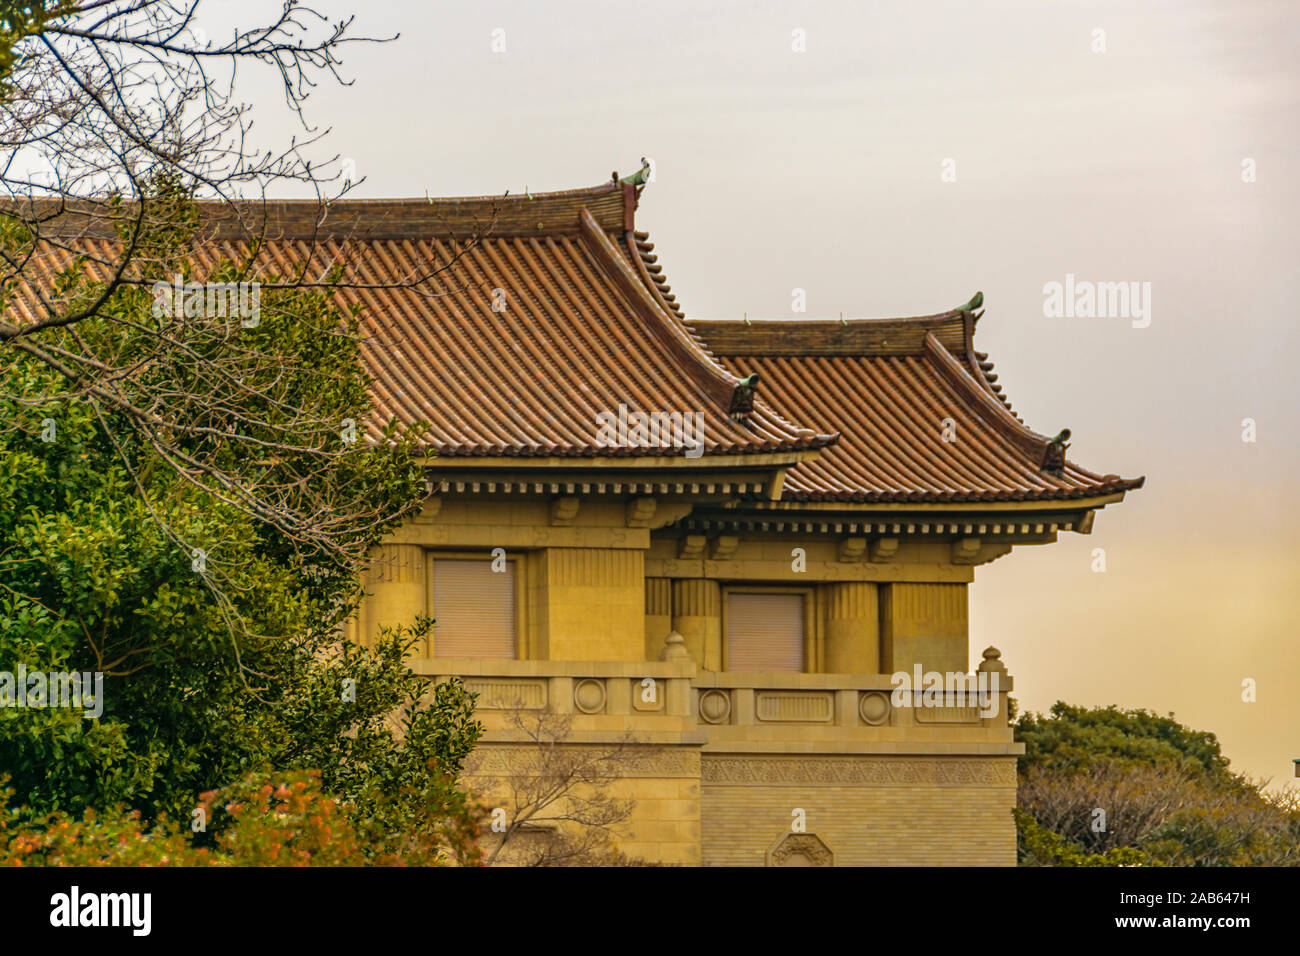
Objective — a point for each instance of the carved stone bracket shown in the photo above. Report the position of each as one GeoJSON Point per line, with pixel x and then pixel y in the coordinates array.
{"type": "Point", "coordinates": [429, 513]}
{"type": "Point", "coordinates": [652, 513]}
{"type": "Point", "coordinates": [966, 551]}
{"type": "Point", "coordinates": [640, 511]}
{"type": "Point", "coordinates": [800, 849]}
{"type": "Point", "coordinates": [691, 547]}
{"type": "Point", "coordinates": [563, 510]}
{"type": "Point", "coordinates": [883, 550]}
{"type": "Point", "coordinates": [724, 546]}
{"type": "Point", "coordinates": [852, 549]}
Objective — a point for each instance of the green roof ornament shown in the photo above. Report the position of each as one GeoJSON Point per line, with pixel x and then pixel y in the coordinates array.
{"type": "Point", "coordinates": [742, 397]}
{"type": "Point", "coordinates": [641, 176]}
{"type": "Point", "coordinates": [1054, 452]}
{"type": "Point", "coordinates": [976, 301]}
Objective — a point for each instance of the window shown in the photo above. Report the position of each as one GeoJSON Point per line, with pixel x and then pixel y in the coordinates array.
{"type": "Point", "coordinates": [765, 632]}
{"type": "Point", "coordinates": [474, 608]}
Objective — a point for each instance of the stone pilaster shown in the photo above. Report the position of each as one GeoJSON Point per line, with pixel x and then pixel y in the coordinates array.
{"type": "Point", "coordinates": [852, 632]}
{"type": "Point", "coordinates": [697, 616]}
{"type": "Point", "coordinates": [396, 591]}
{"type": "Point", "coordinates": [658, 615]}
{"type": "Point", "coordinates": [594, 604]}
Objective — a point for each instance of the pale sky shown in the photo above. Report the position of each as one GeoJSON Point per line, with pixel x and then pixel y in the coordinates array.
{"type": "Point", "coordinates": [820, 170]}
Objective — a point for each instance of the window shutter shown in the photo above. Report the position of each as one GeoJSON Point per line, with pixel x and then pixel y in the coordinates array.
{"type": "Point", "coordinates": [474, 609]}
{"type": "Point", "coordinates": [765, 632]}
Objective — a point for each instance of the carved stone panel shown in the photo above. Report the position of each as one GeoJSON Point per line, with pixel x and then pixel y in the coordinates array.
{"type": "Point", "coordinates": [504, 693]}
{"type": "Point", "coordinates": [816, 706]}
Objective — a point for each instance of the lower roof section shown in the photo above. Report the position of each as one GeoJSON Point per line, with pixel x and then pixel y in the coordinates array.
{"type": "Point", "coordinates": [915, 423]}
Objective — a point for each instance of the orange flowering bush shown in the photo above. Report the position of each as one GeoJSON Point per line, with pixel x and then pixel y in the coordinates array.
{"type": "Point", "coordinates": [285, 821]}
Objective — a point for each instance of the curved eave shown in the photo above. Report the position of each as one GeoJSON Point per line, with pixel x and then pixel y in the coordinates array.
{"type": "Point", "coordinates": [818, 506]}
{"type": "Point", "coordinates": [596, 454]}
{"type": "Point", "coordinates": [1074, 496]}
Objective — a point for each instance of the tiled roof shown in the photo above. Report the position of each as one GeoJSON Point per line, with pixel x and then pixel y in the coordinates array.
{"type": "Point", "coordinates": [887, 387]}
{"type": "Point", "coordinates": [551, 310]}
{"type": "Point", "coordinates": [577, 333]}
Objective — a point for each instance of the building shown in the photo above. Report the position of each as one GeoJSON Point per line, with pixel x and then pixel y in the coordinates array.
{"type": "Point", "coordinates": [761, 522]}
{"type": "Point", "coordinates": [725, 538]}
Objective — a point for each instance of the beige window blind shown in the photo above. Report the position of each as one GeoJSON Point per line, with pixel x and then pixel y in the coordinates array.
{"type": "Point", "coordinates": [474, 608]}
{"type": "Point", "coordinates": [764, 632]}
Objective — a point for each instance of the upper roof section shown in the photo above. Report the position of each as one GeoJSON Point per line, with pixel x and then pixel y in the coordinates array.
{"type": "Point", "coordinates": [526, 325]}
{"type": "Point", "coordinates": [541, 330]}
{"type": "Point", "coordinates": [920, 413]}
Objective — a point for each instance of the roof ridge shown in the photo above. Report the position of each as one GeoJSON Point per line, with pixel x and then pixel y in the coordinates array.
{"type": "Point", "coordinates": [1000, 416]}
{"type": "Point", "coordinates": [451, 217]}
{"type": "Point", "coordinates": [848, 337]}
{"type": "Point", "coordinates": [652, 274]}
{"type": "Point", "coordinates": [982, 368]}
{"type": "Point", "coordinates": [719, 383]}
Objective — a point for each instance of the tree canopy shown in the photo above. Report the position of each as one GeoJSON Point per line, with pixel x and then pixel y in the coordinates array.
{"type": "Point", "coordinates": [218, 634]}
{"type": "Point", "coordinates": [1103, 786]}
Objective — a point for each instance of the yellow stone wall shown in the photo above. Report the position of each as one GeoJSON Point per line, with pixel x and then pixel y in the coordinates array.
{"type": "Point", "coordinates": [397, 576]}
{"type": "Point", "coordinates": [868, 811]}
{"type": "Point", "coordinates": [658, 615]}
{"type": "Point", "coordinates": [697, 617]}
{"type": "Point", "coordinates": [601, 589]}
{"type": "Point", "coordinates": [591, 604]}
{"type": "Point", "coordinates": [923, 624]}
{"type": "Point", "coordinates": [598, 587]}
{"type": "Point", "coordinates": [664, 826]}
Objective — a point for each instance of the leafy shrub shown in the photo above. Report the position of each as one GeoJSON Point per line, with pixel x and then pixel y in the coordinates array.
{"type": "Point", "coordinates": [260, 821]}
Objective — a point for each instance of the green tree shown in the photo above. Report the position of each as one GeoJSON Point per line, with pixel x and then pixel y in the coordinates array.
{"type": "Point", "coordinates": [20, 19]}
{"type": "Point", "coordinates": [217, 632]}
{"type": "Point", "coordinates": [1104, 787]}
{"type": "Point", "coordinates": [1076, 738]}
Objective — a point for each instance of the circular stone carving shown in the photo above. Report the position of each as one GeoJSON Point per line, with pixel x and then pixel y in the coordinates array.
{"type": "Point", "coordinates": [874, 708]}
{"type": "Point", "coordinates": [589, 695]}
{"type": "Point", "coordinates": [715, 706]}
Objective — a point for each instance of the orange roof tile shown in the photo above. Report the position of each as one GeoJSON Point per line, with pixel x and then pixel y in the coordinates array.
{"type": "Point", "coordinates": [888, 386]}
{"type": "Point", "coordinates": [552, 309]}
{"type": "Point", "coordinates": [553, 314]}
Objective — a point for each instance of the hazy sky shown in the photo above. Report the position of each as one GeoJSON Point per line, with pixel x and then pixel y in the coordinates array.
{"type": "Point", "coordinates": [778, 169]}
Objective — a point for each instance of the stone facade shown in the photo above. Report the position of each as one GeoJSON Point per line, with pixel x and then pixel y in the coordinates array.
{"type": "Point", "coordinates": [741, 760]}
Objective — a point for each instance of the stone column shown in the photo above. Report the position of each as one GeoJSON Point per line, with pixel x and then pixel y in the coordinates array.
{"type": "Point", "coordinates": [852, 628]}
{"type": "Point", "coordinates": [697, 616]}
{"type": "Point", "coordinates": [658, 615]}
{"type": "Point", "coordinates": [396, 591]}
